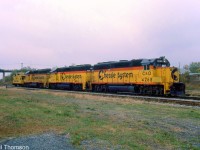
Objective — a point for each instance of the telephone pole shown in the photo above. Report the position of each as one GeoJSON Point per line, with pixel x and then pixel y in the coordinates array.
{"type": "Point", "coordinates": [21, 65]}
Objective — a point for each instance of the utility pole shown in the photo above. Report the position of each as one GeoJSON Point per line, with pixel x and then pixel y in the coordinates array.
{"type": "Point", "coordinates": [21, 65]}
{"type": "Point", "coordinates": [4, 75]}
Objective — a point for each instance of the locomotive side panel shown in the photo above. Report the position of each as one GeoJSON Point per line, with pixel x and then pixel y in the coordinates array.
{"type": "Point", "coordinates": [27, 79]}
{"type": "Point", "coordinates": [37, 80]}
{"type": "Point", "coordinates": [18, 79]}
{"type": "Point", "coordinates": [134, 75]}
{"type": "Point", "coordinates": [53, 78]}
{"type": "Point", "coordinates": [76, 80]}
{"type": "Point", "coordinates": [113, 76]}
{"type": "Point", "coordinates": [71, 78]}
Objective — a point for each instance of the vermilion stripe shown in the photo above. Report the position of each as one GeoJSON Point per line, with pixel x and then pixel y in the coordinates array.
{"type": "Point", "coordinates": [38, 74]}
{"type": "Point", "coordinates": [122, 83]}
{"type": "Point", "coordinates": [67, 82]}
{"type": "Point", "coordinates": [119, 69]}
{"type": "Point", "coordinates": [72, 72]}
{"type": "Point", "coordinates": [35, 82]}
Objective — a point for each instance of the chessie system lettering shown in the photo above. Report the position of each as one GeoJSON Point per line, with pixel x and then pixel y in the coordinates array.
{"type": "Point", "coordinates": [111, 75]}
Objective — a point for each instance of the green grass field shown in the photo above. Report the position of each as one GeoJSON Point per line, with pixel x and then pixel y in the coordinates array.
{"type": "Point", "coordinates": [123, 123]}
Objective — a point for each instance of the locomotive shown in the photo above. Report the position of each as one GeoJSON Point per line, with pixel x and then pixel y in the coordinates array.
{"type": "Point", "coordinates": [137, 76]}
{"type": "Point", "coordinates": [71, 78]}
{"type": "Point", "coordinates": [37, 78]}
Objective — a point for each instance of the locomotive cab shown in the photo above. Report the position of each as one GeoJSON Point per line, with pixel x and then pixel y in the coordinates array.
{"type": "Point", "coordinates": [165, 76]}
{"type": "Point", "coordinates": [161, 62]}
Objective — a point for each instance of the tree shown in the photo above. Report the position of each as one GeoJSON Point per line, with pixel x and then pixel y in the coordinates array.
{"type": "Point", "coordinates": [186, 67]}
{"type": "Point", "coordinates": [195, 67]}
{"type": "Point", "coordinates": [185, 77]}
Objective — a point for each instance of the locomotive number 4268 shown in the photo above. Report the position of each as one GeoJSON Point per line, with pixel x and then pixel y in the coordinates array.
{"type": "Point", "coordinates": [146, 79]}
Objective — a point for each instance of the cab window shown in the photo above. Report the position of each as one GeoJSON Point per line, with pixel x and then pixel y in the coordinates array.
{"type": "Point", "coordinates": [146, 67]}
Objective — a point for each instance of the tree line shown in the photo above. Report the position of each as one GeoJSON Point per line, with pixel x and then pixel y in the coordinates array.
{"type": "Point", "coordinates": [194, 67]}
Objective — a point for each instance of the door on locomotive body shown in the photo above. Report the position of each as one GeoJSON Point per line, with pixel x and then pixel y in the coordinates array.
{"type": "Point", "coordinates": [58, 77]}
{"type": "Point", "coordinates": [89, 79]}
{"type": "Point", "coordinates": [46, 84]}
{"type": "Point", "coordinates": [27, 79]}
{"type": "Point", "coordinates": [53, 77]}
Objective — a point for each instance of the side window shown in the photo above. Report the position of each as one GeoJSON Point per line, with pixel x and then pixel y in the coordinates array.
{"type": "Point", "coordinates": [146, 67]}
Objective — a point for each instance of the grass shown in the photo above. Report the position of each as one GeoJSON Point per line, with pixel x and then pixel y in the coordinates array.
{"type": "Point", "coordinates": [193, 89]}
{"type": "Point", "coordinates": [127, 123]}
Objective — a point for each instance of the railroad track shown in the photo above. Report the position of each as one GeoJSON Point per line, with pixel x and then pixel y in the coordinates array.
{"type": "Point", "coordinates": [186, 100]}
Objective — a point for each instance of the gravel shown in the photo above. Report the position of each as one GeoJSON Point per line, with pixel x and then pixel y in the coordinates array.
{"type": "Point", "coordinates": [97, 144]}
{"type": "Point", "coordinates": [52, 141]}
{"type": "Point", "coordinates": [47, 141]}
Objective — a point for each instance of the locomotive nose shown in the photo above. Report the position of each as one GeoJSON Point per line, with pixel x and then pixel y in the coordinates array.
{"type": "Point", "coordinates": [175, 74]}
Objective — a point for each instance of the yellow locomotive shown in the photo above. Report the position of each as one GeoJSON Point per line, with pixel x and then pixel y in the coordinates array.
{"type": "Point", "coordinates": [37, 78]}
{"type": "Point", "coordinates": [18, 79]}
{"type": "Point", "coordinates": [138, 76]}
{"type": "Point", "coordinates": [141, 76]}
{"type": "Point", "coordinates": [71, 78]}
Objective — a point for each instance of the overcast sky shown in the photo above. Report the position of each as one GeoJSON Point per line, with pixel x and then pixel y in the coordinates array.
{"type": "Point", "coordinates": [49, 33]}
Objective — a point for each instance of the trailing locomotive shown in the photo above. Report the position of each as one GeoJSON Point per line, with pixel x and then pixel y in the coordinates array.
{"type": "Point", "coordinates": [138, 76]}
{"type": "Point", "coordinates": [70, 78]}
{"type": "Point", "coordinates": [18, 79]}
{"type": "Point", "coordinates": [37, 78]}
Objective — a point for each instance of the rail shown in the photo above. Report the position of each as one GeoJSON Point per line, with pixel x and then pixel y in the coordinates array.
{"type": "Point", "coordinates": [186, 100]}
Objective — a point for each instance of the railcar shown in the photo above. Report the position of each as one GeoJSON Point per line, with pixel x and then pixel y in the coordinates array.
{"type": "Point", "coordinates": [37, 78]}
{"type": "Point", "coordinates": [71, 78]}
{"type": "Point", "coordinates": [140, 76]}
{"type": "Point", "coordinates": [18, 79]}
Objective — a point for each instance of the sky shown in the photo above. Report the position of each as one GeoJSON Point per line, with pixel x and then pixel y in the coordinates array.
{"type": "Point", "coordinates": [57, 33]}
